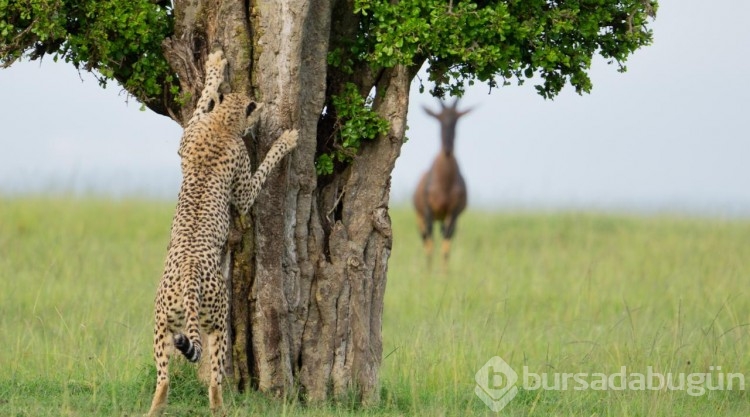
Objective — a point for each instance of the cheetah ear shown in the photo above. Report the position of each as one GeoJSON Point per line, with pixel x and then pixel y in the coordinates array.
{"type": "Point", "coordinates": [221, 98]}
{"type": "Point", "coordinates": [250, 108]}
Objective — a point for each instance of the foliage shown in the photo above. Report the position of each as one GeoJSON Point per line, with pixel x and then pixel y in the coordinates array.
{"type": "Point", "coordinates": [495, 41]}
{"type": "Point", "coordinates": [492, 41]}
{"type": "Point", "coordinates": [550, 41]}
{"type": "Point", "coordinates": [121, 40]}
{"type": "Point", "coordinates": [355, 121]}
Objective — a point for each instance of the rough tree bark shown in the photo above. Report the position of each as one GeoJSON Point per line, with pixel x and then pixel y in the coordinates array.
{"type": "Point", "coordinates": [309, 264]}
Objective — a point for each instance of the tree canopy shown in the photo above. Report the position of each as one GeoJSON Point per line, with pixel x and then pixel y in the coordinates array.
{"type": "Point", "coordinates": [463, 41]}
{"type": "Point", "coordinates": [120, 40]}
{"type": "Point", "coordinates": [496, 41]}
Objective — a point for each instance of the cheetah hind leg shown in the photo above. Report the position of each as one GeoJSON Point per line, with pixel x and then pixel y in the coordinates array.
{"type": "Point", "coordinates": [218, 349]}
{"type": "Point", "coordinates": [162, 352]}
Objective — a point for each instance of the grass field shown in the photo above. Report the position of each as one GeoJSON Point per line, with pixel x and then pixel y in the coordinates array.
{"type": "Point", "coordinates": [557, 293]}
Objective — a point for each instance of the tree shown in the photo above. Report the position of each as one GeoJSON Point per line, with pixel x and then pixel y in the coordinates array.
{"type": "Point", "coordinates": [309, 265]}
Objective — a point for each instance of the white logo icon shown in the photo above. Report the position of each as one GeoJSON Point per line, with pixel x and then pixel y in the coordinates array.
{"type": "Point", "coordinates": [496, 383]}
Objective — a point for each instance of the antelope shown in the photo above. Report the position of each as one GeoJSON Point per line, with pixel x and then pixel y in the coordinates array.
{"type": "Point", "coordinates": [441, 192]}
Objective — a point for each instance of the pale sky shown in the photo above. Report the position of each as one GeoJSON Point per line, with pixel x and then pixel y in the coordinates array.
{"type": "Point", "coordinates": [668, 135]}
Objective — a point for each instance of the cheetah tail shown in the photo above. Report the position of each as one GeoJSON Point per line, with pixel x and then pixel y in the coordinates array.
{"type": "Point", "coordinates": [190, 342]}
{"type": "Point", "coordinates": [188, 348]}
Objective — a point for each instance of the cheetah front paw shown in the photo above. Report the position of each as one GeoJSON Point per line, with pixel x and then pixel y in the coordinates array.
{"type": "Point", "coordinates": [216, 60]}
{"type": "Point", "coordinates": [289, 139]}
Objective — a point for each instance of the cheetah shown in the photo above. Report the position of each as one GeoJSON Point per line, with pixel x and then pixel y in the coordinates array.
{"type": "Point", "coordinates": [192, 296]}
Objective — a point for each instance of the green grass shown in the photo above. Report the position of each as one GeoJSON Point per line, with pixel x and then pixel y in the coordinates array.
{"type": "Point", "coordinates": [553, 292]}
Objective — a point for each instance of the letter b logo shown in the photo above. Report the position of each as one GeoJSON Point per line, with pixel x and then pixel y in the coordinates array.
{"type": "Point", "coordinates": [496, 383]}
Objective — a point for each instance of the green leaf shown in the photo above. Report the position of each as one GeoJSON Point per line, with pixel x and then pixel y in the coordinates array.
{"type": "Point", "coordinates": [324, 164]}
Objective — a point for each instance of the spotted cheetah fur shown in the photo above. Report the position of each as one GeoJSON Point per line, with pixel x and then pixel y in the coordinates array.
{"type": "Point", "coordinates": [192, 296]}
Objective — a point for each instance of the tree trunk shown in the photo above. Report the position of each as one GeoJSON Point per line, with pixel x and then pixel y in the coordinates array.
{"type": "Point", "coordinates": [308, 265]}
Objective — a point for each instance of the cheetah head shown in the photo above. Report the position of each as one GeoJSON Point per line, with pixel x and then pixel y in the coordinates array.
{"type": "Point", "coordinates": [252, 116]}
{"type": "Point", "coordinates": [238, 112]}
